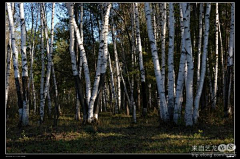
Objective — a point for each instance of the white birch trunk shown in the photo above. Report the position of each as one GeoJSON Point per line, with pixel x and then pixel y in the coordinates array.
{"type": "Point", "coordinates": [15, 60]}
{"type": "Point", "coordinates": [25, 110]}
{"type": "Point", "coordinates": [117, 66]}
{"type": "Point", "coordinates": [49, 64]}
{"type": "Point", "coordinates": [188, 49]}
{"type": "Point", "coordinates": [81, 37]}
{"type": "Point", "coordinates": [101, 64]}
{"type": "Point", "coordinates": [141, 66]}
{"type": "Point", "coordinates": [201, 14]}
{"type": "Point", "coordinates": [163, 33]}
{"type": "Point", "coordinates": [216, 67]}
{"type": "Point", "coordinates": [84, 62]}
{"type": "Point", "coordinates": [71, 46]}
{"type": "Point", "coordinates": [203, 68]}
{"type": "Point", "coordinates": [181, 72]}
{"type": "Point", "coordinates": [170, 62]}
{"type": "Point", "coordinates": [157, 71]}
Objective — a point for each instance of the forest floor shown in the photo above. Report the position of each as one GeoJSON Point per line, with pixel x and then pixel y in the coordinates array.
{"type": "Point", "coordinates": [117, 134]}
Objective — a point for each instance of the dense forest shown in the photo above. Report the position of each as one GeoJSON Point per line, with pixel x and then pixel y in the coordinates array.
{"type": "Point", "coordinates": [135, 74]}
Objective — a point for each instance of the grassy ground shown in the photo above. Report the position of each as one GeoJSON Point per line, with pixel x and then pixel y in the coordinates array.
{"type": "Point", "coordinates": [116, 134]}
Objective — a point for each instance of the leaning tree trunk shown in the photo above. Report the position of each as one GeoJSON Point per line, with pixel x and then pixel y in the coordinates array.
{"type": "Point", "coordinates": [203, 68]}
{"type": "Point", "coordinates": [25, 113]}
{"type": "Point", "coordinates": [78, 86]}
{"type": "Point", "coordinates": [157, 71]}
{"type": "Point", "coordinates": [229, 63]}
{"type": "Point", "coordinates": [107, 8]}
{"type": "Point", "coordinates": [101, 66]}
{"type": "Point", "coordinates": [85, 67]}
{"type": "Point", "coordinates": [142, 70]}
{"type": "Point", "coordinates": [222, 62]}
{"type": "Point", "coordinates": [181, 72]}
{"type": "Point", "coordinates": [188, 49]}
{"type": "Point", "coordinates": [171, 88]}
{"type": "Point", "coordinates": [216, 67]}
{"type": "Point", "coordinates": [15, 62]}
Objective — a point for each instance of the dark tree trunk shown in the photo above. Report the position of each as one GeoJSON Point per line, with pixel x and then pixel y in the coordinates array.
{"type": "Point", "coordinates": [79, 90]}
{"type": "Point", "coordinates": [144, 99]}
{"type": "Point", "coordinates": [20, 101]}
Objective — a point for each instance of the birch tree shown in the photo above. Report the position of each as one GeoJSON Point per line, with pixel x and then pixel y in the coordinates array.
{"type": "Point", "coordinates": [201, 14]}
{"type": "Point", "coordinates": [216, 67]}
{"type": "Point", "coordinates": [188, 49]}
{"type": "Point", "coordinates": [32, 51]}
{"type": "Point", "coordinates": [181, 73]}
{"type": "Point", "coordinates": [117, 67]}
{"type": "Point", "coordinates": [84, 62]}
{"type": "Point", "coordinates": [157, 71]}
{"type": "Point", "coordinates": [170, 62]}
{"type": "Point", "coordinates": [163, 9]}
{"type": "Point", "coordinates": [25, 113]}
{"type": "Point", "coordinates": [49, 64]}
{"type": "Point", "coordinates": [203, 68]}
{"type": "Point", "coordinates": [78, 86]}
{"type": "Point", "coordinates": [141, 66]}
{"type": "Point", "coordinates": [15, 63]}
{"type": "Point", "coordinates": [101, 64]}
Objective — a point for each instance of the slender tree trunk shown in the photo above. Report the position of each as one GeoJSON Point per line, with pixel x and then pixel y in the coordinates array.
{"type": "Point", "coordinates": [9, 58]}
{"type": "Point", "coordinates": [222, 61]}
{"type": "Point", "coordinates": [117, 67]}
{"type": "Point", "coordinates": [163, 33]}
{"type": "Point", "coordinates": [203, 68]}
{"type": "Point", "coordinates": [227, 82]}
{"type": "Point", "coordinates": [101, 66]}
{"type": "Point", "coordinates": [43, 63]}
{"type": "Point", "coordinates": [181, 73]}
{"type": "Point", "coordinates": [78, 85]}
{"type": "Point", "coordinates": [49, 64]}
{"type": "Point", "coordinates": [49, 103]}
{"type": "Point", "coordinates": [158, 74]}
{"type": "Point", "coordinates": [170, 62]}
{"type": "Point", "coordinates": [216, 67]}
{"type": "Point", "coordinates": [114, 99]}
{"type": "Point", "coordinates": [128, 99]}
{"type": "Point", "coordinates": [201, 14]}
{"type": "Point", "coordinates": [32, 51]}
{"type": "Point", "coordinates": [85, 66]}
{"type": "Point", "coordinates": [141, 66]}
{"type": "Point", "coordinates": [210, 82]}
{"type": "Point", "coordinates": [188, 49]}
{"type": "Point", "coordinates": [25, 113]}
{"type": "Point", "coordinates": [133, 53]}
